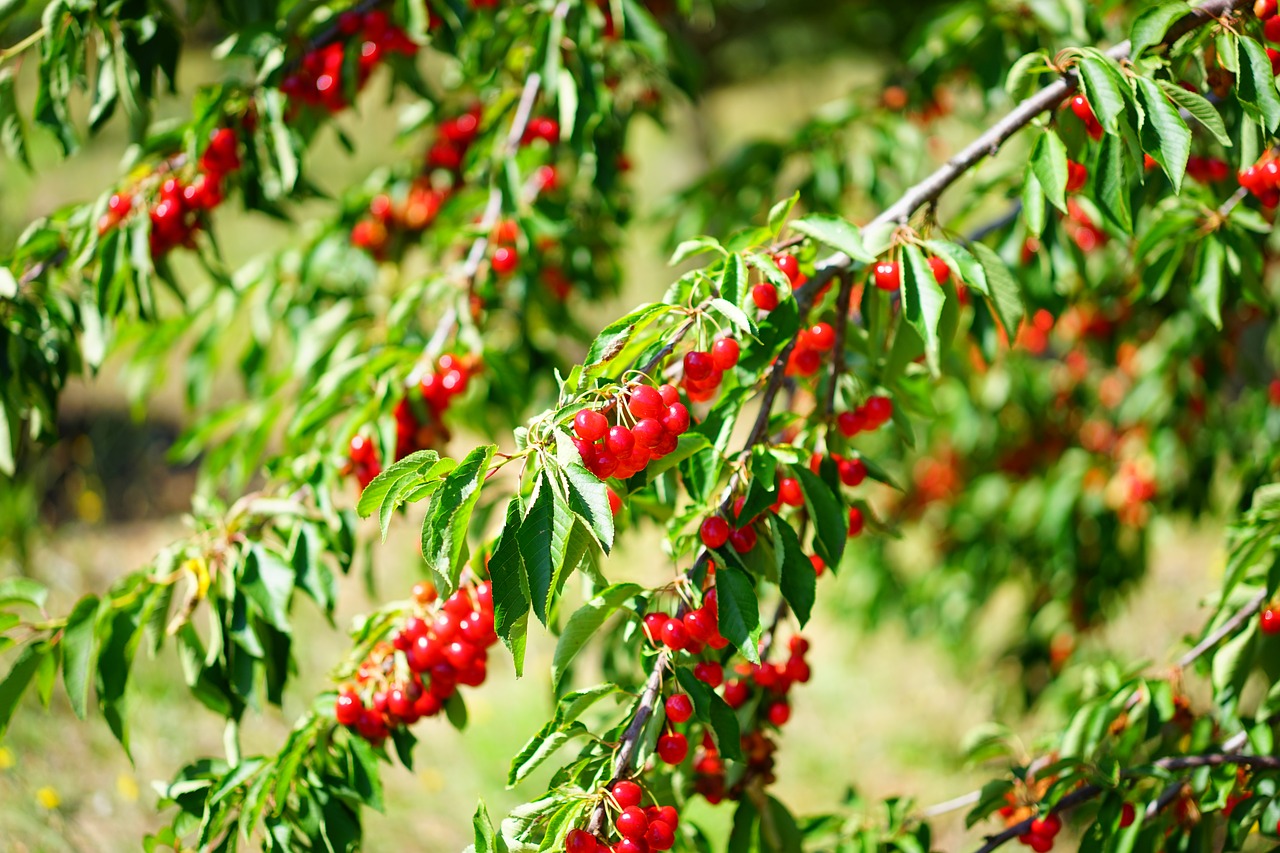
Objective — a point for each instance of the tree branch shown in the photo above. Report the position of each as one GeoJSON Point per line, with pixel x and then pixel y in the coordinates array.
{"type": "Point", "coordinates": [1229, 627]}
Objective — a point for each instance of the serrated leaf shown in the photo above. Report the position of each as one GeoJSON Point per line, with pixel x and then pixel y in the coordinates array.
{"type": "Point", "coordinates": [1165, 136]}
{"type": "Point", "coordinates": [543, 535]}
{"type": "Point", "coordinates": [540, 747]}
{"type": "Point", "coordinates": [583, 625]}
{"type": "Point", "coordinates": [385, 491]}
{"type": "Point", "coordinates": [17, 680]}
{"type": "Point", "coordinates": [1151, 25]}
{"type": "Point", "coordinates": [78, 646]}
{"type": "Point", "coordinates": [1114, 170]}
{"type": "Point", "coordinates": [827, 513]}
{"type": "Point", "coordinates": [733, 314]}
{"type": "Point", "coordinates": [507, 575]}
{"type": "Point", "coordinates": [589, 498]}
{"type": "Point", "coordinates": [839, 234]}
{"type": "Point", "coordinates": [739, 610]}
{"type": "Point", "coordinates": [733, 280]}
{"type": "Point", "coordinates": [796, 576]}
{"type": "Point", "coordinates": [1206, 290]}
{"type": "Point", "coordinates": [1105, 96]}
{"type": "Point", "coordinates": [1200, 109]}
{"type": "Point", "coordinates": [711, 708]}
{"type": "Point", "coordinates": [615, 336]}
{"type": "Point", "coordinates": [1256, 84]}
{"type": "Point", "coordinates": [779, 212]}
{"type": "Point", "coordinates": [922, 303]}
{"type": "Point", "coordinates": [1020, 82]}
{"type": "Point", "coordinates": [1049, 162]}
{"type": "Point", "coordinates": [444, 530]}
{"type": "Point", "coordinates": [485, 840]}
{"type": "Point", "coordinates": [1002, 289]}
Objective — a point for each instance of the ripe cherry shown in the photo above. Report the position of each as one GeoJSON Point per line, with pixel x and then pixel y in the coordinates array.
{"type": "Point", "coordinates": [1264, 8]}
{"type": "Point", "coordinates": [1077, 174]}
{"type": "Point", "coordinates": [888, 275]}
{"type": "Point", "coordinates": [743, 539]}
{"type": "Point", "coordinates": [789, 491]}
{"type": "Point", "coordinates": [580, 841]}
{"type": "Point", "coordinates": [631, 822]}
{"type": "Point", "coordinates": [941, 272]}
{"type": "Point", "coordinates": [736, 693]}
{"type": "Point", "coordinates": [852, 471]}
{"type": "Point", "coordinates": [789, 266]}
{"type": "Point", "coordinates": [627, 793]}
{"type": "Point", "coordinates": [700, 625]}
{"type": "Point", "coordinates": [619, 440]}
{"type": "Point", "coordinates": [715, 532]}
{"type": "Point", "coordinates": [646, 402]}
{"type": "Point", "coordinates": [648, 432]}
{"type": "Point", "coordinates": [819, 565]}
{"type": "Point", "coordinates": [879, 410]}
{"type": "Point", "coordinates": [590, 425]}
{"type": "Point", "coordinates": [347, 708]}
{"type": "Point", "coordinates": [676, 419]}
{"type": "Point", "coordinates": [822, 337]}
{"type": "Point", "coordinates": [850, 424]}
{"type": "Point", "coordinates": [668, 815]}
{"type": "Point", "coordinates": [653, 623]}
{"type": "Point", "coordinates": [856, 521]}
{"type": "Point", "coordinates": [1126, 814]}
{"type": "Point", "coordinates": [779, 713]}
{"type": "Point", "coordinates": [709, 672]}
{"type": "Point", "coordinates": [1269, 622]}
{"type": "Point", "coordinates": [765, 296]}
{"type": "Point", "coordinates": [119, 204]}
{"type": "Point", "coordinates": [679, 708]}
{"type": "Point", "coordinates": [1047, 826]}
{"type": "Point", "coordinates": [669, 393]}
{"type": "Point", "coordinates": [505, 260]}
{"type": "Point", "coordinates": [724, 353]}
{"type": "Point", "coordinates": [697, 365]}
{"type": "Point", "coordinates": [659, 835]}
{"type": "Point", "coordinates": [675, 634]}
{"type": "Point", "coordinates": [673, 748]}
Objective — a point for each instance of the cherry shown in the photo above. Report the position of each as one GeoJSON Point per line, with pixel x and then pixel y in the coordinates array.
{"type": "Point", "coordinates": [806, 361]}
{"type": "Point", "coordinates": [736, 693]}
{"type": "Point", "coordinates": [631, 822]}
{"type": "Point", "coordinates": [1264, 8]}
{"type": "Point", "coordinates": [620, 441]}
{"type": "Point", "coordinates": [653, 623]}
{"type": "Point", "coordinates": [743, 539]}
{"type": "Point", "coordinates": [659, 835]}
{"type": "Point", "coordinates": [670, 395]}
{"type": "Point", "coordinates": [119, 204]}
{"type": "Point", "coordinates": [724, 353]}
{"type": "Point", "coordinates": [1077, 174]}
{"type": "Point", "coordinates": [347, 708]}
{"type": "Point", "coordinates": [505, 260]}
{"type": "Point", "coordinates": [819, 565]}
{"type": "Point", "coordinates": [879, 410]}
{"type": "Point", "coordinates": [627, 793]}
{"type": "Point", "coordinates": [1047, 826]}
{"type": "Point", "coordinates": [700, 625]}
{"type": "Point", "coordinates": [673, 748]}
{"type": "Point", "coordinates": [709, 672]}
{"type": "Point", "coordinates": [855, 521]}
{"type": "Point", "coordinates": [580, 841]}
{"type": "Point", "coordinates": [789, 266]}
{"type": "Point", "coordinates": [697, 365]}
{"type": "Point", "coordinates": [646, 402]}
{"type": "Point", "coordinates": [852, 471]}
{"type": "Point", "coordinates": [547, 129]}
{"type": "Point", "coordinates": [1271, 29]}
{"type": "Point", "coordinates": [1080, 106]}
{"type": "Point", "coordinates": [715, 532]}
{"type": "Point", "coordinates": [850, 424]}
{"type": "Point", "coordinates": [779, 713]}
{"type": "Point", "coordinates": [668, 815]}
{"type": "Point", "coordinates": [424, 592]}
{"type": "Point", "coordinates": [1269, 622]}
{"type": "Point", "coordinates": [789, 491]}
{"type": "Point", "coordinates": [676, 419]}
{"type": "Point", "coordinates": [626, 845]}
{"type": "Point", "coordinates": [1127, 813]}
{"type": "Point", "coordinates": [590, 425]}
{"type": "Point", "coordinates": [679, 708]}
{"type": "Point", "coordinates": [822, 337]}
{"type": "Point", "coordinates": [888, 275]}
{"type": "Point", "coordinates": [675, 635]}
{"type": "Point", "coordinates": [765, 296]}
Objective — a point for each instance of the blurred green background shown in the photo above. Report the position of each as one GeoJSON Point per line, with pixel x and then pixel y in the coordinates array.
{"type": "Point", "coordinates": [884, 713]}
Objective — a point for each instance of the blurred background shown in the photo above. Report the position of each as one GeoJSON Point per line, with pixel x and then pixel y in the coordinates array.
{"type": "Point", "coordinates": [887, 712]}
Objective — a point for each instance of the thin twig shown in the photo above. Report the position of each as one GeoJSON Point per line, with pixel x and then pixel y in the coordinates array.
{"type": "Point", "coordinates": [1230, 626]}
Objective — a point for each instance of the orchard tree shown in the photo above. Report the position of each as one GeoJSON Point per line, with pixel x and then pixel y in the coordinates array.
{"type": "Point", "coordinates": [1033, 365]}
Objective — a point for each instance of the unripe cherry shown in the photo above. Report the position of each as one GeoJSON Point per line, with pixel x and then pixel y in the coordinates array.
{"type": "Point", "coordinates": [673, 748]}
{"type": "Point", "coordinates": [888, 275]}
{"type": "Point", "coordinates": [724, 353]}
{"type": "Point", "coordinates": [714, 532]}
{"type": "Point", "coordinates": [679, 708]}
{"type": "Point", "coordinates": [765, 296]}
{"type": "Point", "coordinates": [627, 793]}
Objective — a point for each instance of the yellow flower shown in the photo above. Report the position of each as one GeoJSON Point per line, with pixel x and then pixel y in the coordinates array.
{"type": "Point", "coordinates": [48, 798]}
{"type": "Point", "coordinates": [6, 758]}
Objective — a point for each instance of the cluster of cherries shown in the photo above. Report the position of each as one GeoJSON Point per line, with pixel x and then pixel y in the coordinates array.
{"type": "Point", "coordinates": [869, 417]}
{"type": "Point", "coordinates": [765, 294]}
{"type": "Point", "coordinates": [1083, 111]}
{"type": "Point", "coordinates": [179, 208]}
{"type": "Point", "coordinates": [1266, 11]}
{"type": "Point", "coordinates": [640, 829]}
{"type": "Point", "coordinates": [1262, 179]}
{"type": "Point", "coordinates": [887, 275]}
{"type": "Point", "coordinates": [445, 644]}
{"type": "Point", "coordinates": [420, 419]}
{"type": "Point", "coordinates": [811, 345]}
{"type": "Point", "coordinates": [319, 82]}
{"type": "Point", "coordinates": [659, 419]}
{"type": "Point", "coordinates": [693, 632]}
{"type": "Point", "coordinates": [704, 371]}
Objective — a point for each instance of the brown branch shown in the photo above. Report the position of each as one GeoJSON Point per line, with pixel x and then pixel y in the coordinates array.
{"type": "Point", "coordinates": [1230, 626]}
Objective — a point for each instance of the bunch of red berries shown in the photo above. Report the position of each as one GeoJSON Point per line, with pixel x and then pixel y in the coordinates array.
{"type": "Point", "coordinates": [869, 417]}
{"type": "Point", "coordinates": [765, 294]}
{"type": "Point", "coordinates": [455, 138]}
{"type": "Point", "coordinates": [1266, 11]}
{"type": "Point", "coordinates": [1080, 226]}
{"type": "Point", "coordinates": [413, 212]}
{"type": "Point", "coordinates": [658, 420]}
{"type": "Point", "coordinates": [1080, 106]}
{"type": "Point", "coordinates": [693, 632]}
{"type": "Point", "coordinates": [639, 829]}
{"type": "Point", "coordinates": [542, 129]}
{"type": "Point", "coordinates": [1262, 179]}
{"type": "Point", "coordinates": [704, 371]}
{"type": "Point", "coordinates": [438, 648]}
{"type": "Point", "coordinates": [1041, 834]}
{"type": "Point", "coordinates": [811, 345]}
{"type": "Point", "coordinates": [716, 531]}
{"type": "Point", "coordinates": [318, 81]}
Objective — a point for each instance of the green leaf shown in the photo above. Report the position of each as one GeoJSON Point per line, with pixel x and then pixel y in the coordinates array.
{"type": "Point", "coordinates": [1020, 81]}
{"type": "Point", "coordinates": [365, 779]}
{"type": "Point", "coordinates": [9, 10]}
{"type": "Point", "coordinates": [835, 232]}
{"type": "Point", "coordinates": [1199, 108]}
{"type": "Point", "coordinates": [540, 747]}
{"type": "Point", "coordinates": [13, 132]}
{"type": "Point", "coordinates": [444, 530]}
{"type": "Point", "coordinates": [589, 498]}
{"type": "Point", "coordinates": [739, 610]}
{"type": "Point", "coordinates": [22, 591]}
{"type": "Point", "coordinates": [779, 212]}
{"type": "Point", "coordinates": [1002, 288]}
{"type": "Point", "coordinates": [1114, 170]}
{"type": "Point", "coordinates": [508, 577]}
{"type": "Point", "coordinates": [485, 840]}
{"type": "Point", "coordinates": [828, 514]}
{"type": "Point", "coordinates": [267, 581]}
{"type": "Point", "coordinates": [78, 646]}
{"type": "Point", "coordinates": [697, 246]}
{"type": "Point", "coordinates": [573, 705]}
{"type": "Point", "coordinates": [1105, 95]}
{"type": "Point", "coordinates": [1049, 162]}
{"type": "Point", "coordinates": [1256, 85]}
{"type": "Point", "coordinates": [1165, 136]}
{"type": "Point", "coordinates": [386, 491]}
{"type": "Point", "coordinates": [796, 576]}
{"type": "Point", "coordinates": [733, 280]}
{"type": "Point", "coordinates": [1033, 203]}
{"type": "Point", "coordinates": [543, 535]}
{"type": "Point", "coordinates": [1207, 288]}
{"type": "Point", "coordinates": [711, 708]}
{"type": "Point", "coordinates": [1151, 25]}
{"type": "Point", "coordinates": [615, 336]}
{"type": "Point", "coordinates": [583, 625]}
{"type": "Point", "coordinates": [19, 677]}
{"type": "Point", "coordinates": [922, 302]}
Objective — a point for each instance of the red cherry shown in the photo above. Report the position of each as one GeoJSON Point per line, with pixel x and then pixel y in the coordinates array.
{"type": "Point", "coordinates": [765, 296]}
{"type": "Point", "coordinates": [673, 748]}
{"type": "Point", "coordinates": [1269, 622]}
{"type": "Point", "coordinates": [1271, 29]}
{"type": "Point", "coordinates": [653, 623]}
{"type": "Point", "coordinates": [855, 521]}
{"type": "Point", "coordinates": [347, 708]}
{"type": "Point", "coordinates": [669, 816]}
{"type": "Point", "coordinates": [648, 432]}
{"type": "Point", "coordinates": [631, 822]}
{"type": "Point", "coordinates": [1264, 8]}
{"type": "Point", "coordinates": [789, 265]}
{"type": "Point", "coordinates": [1077, 174]}
{"type": "Point", "coordinates": [627, 793]}
{"type": "Point", "coordinates": [120, 204]}
{"type": "Point", "coordinates": [888, 275]}
{"type": "Point", "coordinates": [1126, 811]}
{"type": "Point", "coordinates": [806, 361]}
{"type": "Point", "coordinates": [879, 410]}
{"type": "Point", "coordinates": [1048, 826]}
{"type": "Point", "coordinates": [697, 365]}
{"type": "Point", "coordinates": [709, 672]}
{"type": "Point", "coordinates": [852, 471]}
{"type": "Point", "coordinates": [779, 713]}
{"type": "Point", "coordinates": [505, 260]}
{"type": "Point", "coordinates": [1040, 843]}
{"type": "Point", "coordinates": [819, 565]}
{"type": "Point", "coordinates": [941, 272]}
{"type": "Point", "coordinates": [646, 402]}
{"type": "Point", "coordinates": [679, 708]}
{"type": "Point", "coordinates": [620, 441]}
{"type": "Point", "coordinates": [675, 635]}
{"type": "Point", "coordinates": [669, 393]}
{"type": "Point", "coordinates": [580, 841]}
{"type": "Point", "coordinates": [715, 532]}
{"type": "Point", "coordinates": [789, 491]}
{"type": "Point", "coordinates": [849, 424]}
{"type": "Point", "coordinates": [724, 353]}
{"type": "Point", "coordinates": [822, 337]}
{"type": "Point", "coordinates": [676, 419]}
{"type": "Point", "coordinates": [590, 425]}
{"type": "Point", "coordinates": [1084, 112]}
{"type": "Point", "coordinates": [743, 539]}
{"type": "Point", "coordinates": [700, 625]}
{"type": "Point", "coordinates": [659, 835]}
{"type": "Point", "coordinates": [736, 693]}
